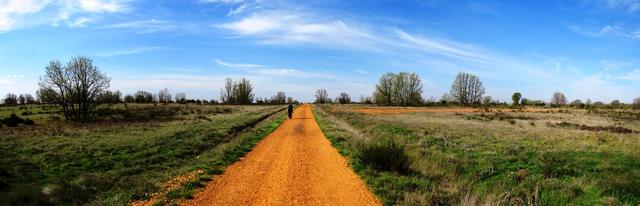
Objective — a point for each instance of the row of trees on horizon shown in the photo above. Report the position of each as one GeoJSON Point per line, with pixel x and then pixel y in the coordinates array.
{"type": "Point", "coordinates": [78, 87]}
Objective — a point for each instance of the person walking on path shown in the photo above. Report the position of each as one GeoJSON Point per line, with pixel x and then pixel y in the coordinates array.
{"type": "Point", "coordinates": [290, 110]}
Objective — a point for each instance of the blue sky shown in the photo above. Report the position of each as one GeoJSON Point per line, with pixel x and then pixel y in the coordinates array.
{"type": "Point", "coordinates": [585, 49]}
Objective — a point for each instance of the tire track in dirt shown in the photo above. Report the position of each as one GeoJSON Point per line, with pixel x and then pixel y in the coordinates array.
{"type": "Point", "coordinates": [294, 165]}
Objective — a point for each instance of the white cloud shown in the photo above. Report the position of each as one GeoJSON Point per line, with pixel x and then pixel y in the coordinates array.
{"type": "Point", "coordinates": [238, 10]}
{"type": "Point", "coordinates": [129, 51]}
{"type": "Point", "coordinates": [222, 1]}
{"type": "Point", "coordinates": [277, 72]}
{"type": "Point", "coordinates": [628, 5]}
{"type": "Point", "coordinates": [145, 26]}
{"type": "Point", "coordinates": [18, 13]}
{"type": "Point", "coordinates": [633, 75]}
{"type": "Point", "coordinates": [605, 31]}
{"type": "Point", "coordinates": [101, 6]}
{"type": "Point", "coordinates": [306, 28]}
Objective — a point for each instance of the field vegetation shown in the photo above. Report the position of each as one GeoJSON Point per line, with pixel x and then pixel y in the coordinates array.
{"type": "Point", "coordinates": [126, 153]}
{"type": "Point", "coordinates": [565, 156]}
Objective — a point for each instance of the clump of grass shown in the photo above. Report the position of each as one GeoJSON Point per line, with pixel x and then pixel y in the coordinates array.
{"type": "Point", "coordinates": [14, 120]}
{"type": "Point", "coordinates": [384, 154]}
{"type": "Point", "coordinates": [555, 164]}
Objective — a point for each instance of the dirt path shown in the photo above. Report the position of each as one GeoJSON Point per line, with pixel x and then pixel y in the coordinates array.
{"type": "Point", "coordinates": [294, 165]}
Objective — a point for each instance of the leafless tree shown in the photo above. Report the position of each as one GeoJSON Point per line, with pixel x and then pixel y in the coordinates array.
{"type": "Point", "coordinates": [29, 99]}
{"type": "Point", "coordinates": [129, 99]}
{"type": "Point", "coordinates": [558, 99]}
{"type": "Point", "coordinates": [290, 100]}
{"type": "Point", "coordinates": [164, 96]}
{"type": "Point", "coordinates": [344, 98]}
{"type": "Point", "coordinates": [109, 97]}
{"type": "Point", "coordinates": [75, 86]}
{"type": "Point", "coordinates": [181, 97]}
{"type": "Point", "coordinates": [10, 99]}
{"type": "Point", "coordinates": [467, 89]}
{"type": "Point", "coordinates": [46, 96]}
{"type": "Point", "coordinates": [143, 97]}
{"type": "Point", "coordinates": [322, 96]}
{"type": "Point", "coordinates": [227, 93]}
{"type": "Point", "coordinates": [636, 103]}
{"type": "Point", "coordinates": [244, 92]}
{"type": "Point", "coordinates": [402, 89]}
{"type": "Point", "coordinates": [22, 99]}
{"type": "Point", "coordinates": [279, 98]}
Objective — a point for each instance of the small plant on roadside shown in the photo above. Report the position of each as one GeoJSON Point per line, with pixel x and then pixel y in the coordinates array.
{"type": "Point", "coordinates": [384, 154]}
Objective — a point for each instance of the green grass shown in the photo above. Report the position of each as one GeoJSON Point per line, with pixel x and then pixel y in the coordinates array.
{"type": "Point", "coordinates": [117, 158]}
{"type": "Point", "coordinates": [461, 159]}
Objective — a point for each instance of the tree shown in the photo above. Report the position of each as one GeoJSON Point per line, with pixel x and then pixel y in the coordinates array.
{"type": "Point", "coordinates": [129, 99]}
{"type": "Point", "coordinates": [244, 92]}
{"type": "Point", "coordinates": [29, 99]}
{"type": "Point", "coordinates": [467, 89]}
{"type": "Point", "coordinates": [181, 97]}
{"type": "Point", "coordinates": [344, 98]}
{"type": "Point", "coordinates": [487, 100]}
{"type": "Point", "coordinates": [322, 96]}
{"type": "Point", "coordinates": [46, 96]}
{"type": "Point", "coordinates": [516, 98]}
{"type": "Point", "coordinates": [576, 103]}
{"type": "Point", "coordinates": [109, 97]}
{"type": "Point", "coordinates": [143, 97]}
{"type": "Point", "coordinates": [227, 94]}
{"type": "Point", "coordinates": [75, 86]}
{"type": "Point", "coordinates": [164, 96]}
{"type": "Point", "coordinates": [636, 103]}
{"type": "Point", "coordinates": [10, 99]}
{"type": "Point", "coordinates": [615, 103]}
{"type": "Point", "coordinates": [290, 100]}
{"type": "Point", "coordinates": [237, 92]}
{"type": "Point", "coordinates": [22, 99]}
{"type": "Point", "coordinates": [558, 99]}
{"type": "Point", "coordinates": [402, 89]}
{"type": "Point", "coordinates": [279, 98]}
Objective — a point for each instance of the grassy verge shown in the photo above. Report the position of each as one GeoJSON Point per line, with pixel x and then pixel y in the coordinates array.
{"type": "Point", "coordinates": [220, 158]}
{"type": "Point", "coordinates": [112, 162]}
{"type": "Point", "coordinates": [469, 161]}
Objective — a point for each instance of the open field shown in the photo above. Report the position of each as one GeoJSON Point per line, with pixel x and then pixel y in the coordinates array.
{"type": "Point", "coordinates": [130, 153]}
{"type": "Point", "coordinates": [555, 157]}
{"type": "Point", "coordinates": [402, 110]}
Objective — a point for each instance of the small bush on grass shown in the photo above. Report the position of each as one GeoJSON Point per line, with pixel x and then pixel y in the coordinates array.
{"type": "Point", "coordinates": [384, 155]}
{"type": "Point", "coordinates": [14, 120]}
{"type": "Point", "coordinates": [555, 164]}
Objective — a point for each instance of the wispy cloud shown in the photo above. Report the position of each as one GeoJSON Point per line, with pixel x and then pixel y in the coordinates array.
{"type": "Point", "coordinates": [17, 13]}
{"type": "Point", "coordinates": [305, 28]}
{"type": "Point", "coordinates": [277, 72]}
{"type": "Point", "coordinates": [129, 51]}
{"type": "Point", "coordinates": [222, 1]}
{"type": "Point", "coordinates": [145, 26]}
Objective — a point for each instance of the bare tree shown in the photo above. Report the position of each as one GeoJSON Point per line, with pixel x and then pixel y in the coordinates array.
{"type": "Point", "coordinates": [385, 88]}
{"type": "Point", "coordinates": [227, 95]}
{"type": "Point", "coordinates": [143, 97]}
{"type": "Point", "coordinates": [576, 103]}
{"type": "Point", "coordinates": [290, 100]}
{"type": "Point", "coordinates": [75, 86]}
{"type": "Point", "coordinates": [129, 99]}
{"type": "Point", "coordinates": [109, 97]}
{"type": "Point", "coordinates": [322, 96]}
{"type": "Point", "coordinates": [46, 96]}
{"type": "Point", "coordinates": [29, 99]}
{"type": "Point", "coordinates": [10, 99]}
{"type": "Point", "coordinates": [636, 103]}
{"type": "Point", "coordinates": [558, 99]}
{"type": "Point", "coordinates": [181, 97]}
{"type": "Point", "coordinates": [164, 96]}
{"type": "Point", "coordinates": [244, 92]}
{"type": "Point", "coordinates": [22, 99]}
{"type": "Point", "coordinates": [344, 98]}
{"type": "Point", "coordinates": [467, 89]}
{"type": "Point", "coordinates": [279, 98]}
{"type": "Point", "coordinates": [487, 100]}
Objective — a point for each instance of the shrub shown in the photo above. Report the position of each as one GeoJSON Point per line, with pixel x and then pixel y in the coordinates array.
{"type": "Point", "coordinates": [555, 164]}
{"type": "Point", "coordinates": [384, 155]}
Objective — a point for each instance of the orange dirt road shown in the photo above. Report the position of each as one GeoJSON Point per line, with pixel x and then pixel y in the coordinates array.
{"type": "Point", "coordinates": [294, 165]}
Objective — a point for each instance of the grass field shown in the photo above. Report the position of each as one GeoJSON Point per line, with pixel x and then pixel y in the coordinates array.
{"type": "Point", "coordinates": [476, 157]}
{"type": "Point", "coordinates": [128, 153]}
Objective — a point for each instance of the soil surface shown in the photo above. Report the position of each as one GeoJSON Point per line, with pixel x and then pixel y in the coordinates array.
{"type": "Point", "coordinates": [294, 165]}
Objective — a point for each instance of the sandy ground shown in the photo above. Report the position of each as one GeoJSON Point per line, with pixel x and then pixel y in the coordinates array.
{"type": "Point", "coordinates": [294, 165]}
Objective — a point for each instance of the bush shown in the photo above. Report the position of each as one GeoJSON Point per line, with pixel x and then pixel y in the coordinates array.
{"type": "Point", "coordinates": [384, 155]}
{"type": "Point", "coordinates": [14, 120]}
{"type": "Point", "coordinates": [555, 164]}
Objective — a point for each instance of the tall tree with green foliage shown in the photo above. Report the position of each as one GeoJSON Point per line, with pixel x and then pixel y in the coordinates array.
{"type": "Point", "coordinates": [516, 98]}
